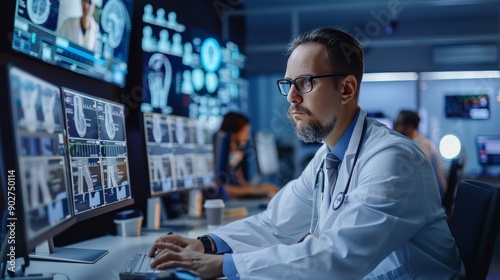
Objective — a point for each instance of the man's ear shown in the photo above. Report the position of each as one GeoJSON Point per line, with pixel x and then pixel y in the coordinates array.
{"type": "Point", "coordinates": [350, 87]}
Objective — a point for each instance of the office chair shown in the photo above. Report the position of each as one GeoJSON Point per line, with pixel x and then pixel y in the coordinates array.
{"type": "Point", "coordinates": [454, 177]}
{"type": "Point", "coordinates": [474, 225]}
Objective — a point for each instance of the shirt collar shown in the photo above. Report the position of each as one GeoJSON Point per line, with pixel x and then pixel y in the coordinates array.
{"type": "Point", "coordinates": [341, 146]}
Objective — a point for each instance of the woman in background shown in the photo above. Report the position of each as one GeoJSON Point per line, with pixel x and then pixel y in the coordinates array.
{"type": "Point", "coordinates": [235, 128]}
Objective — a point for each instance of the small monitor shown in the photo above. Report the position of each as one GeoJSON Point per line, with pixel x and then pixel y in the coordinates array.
{"type": "Point", "coordinates": [381, 117]}
{"type": "Point", "coordinates": [38, 196]}
{"type": "Point", "coordinates": [488, 151]}
{"type": "Point", "coordinates": [180, 153]}
{"type": "Point", "coordinates": [180, 157]}
{"type": "Point", "coordinates": [266, 152]}
{"type": "Point", "coordinates": [98, 157]}
{"type": "Point", "coordinates": [50, 30]}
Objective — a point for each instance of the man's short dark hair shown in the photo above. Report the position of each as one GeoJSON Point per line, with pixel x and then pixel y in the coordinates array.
{"type": "Point", "coordinates": [345, 53]}
{"type": "Point", "coordinates": [410, 118]}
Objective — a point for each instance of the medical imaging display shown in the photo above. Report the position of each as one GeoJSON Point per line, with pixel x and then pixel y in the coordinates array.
{"type": "Point", "coordinates": [187, 71]}
{"type": "Point", "coordinates": [97, 150]}
{"type": "Point", "coordinates": [38, 121]}
{"type": "Point", "coordinates": [180, 153]}
{"type": "Point", "coordinates": [50, 30]}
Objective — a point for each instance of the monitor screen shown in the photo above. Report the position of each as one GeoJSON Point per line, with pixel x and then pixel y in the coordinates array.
{"type": "Point", "coordinates": [188, 71]}
{"type": "Point", "coordinates": [180, 153]}
{"type": "Point", "coordinates": [387, 121]}
{"type": "Point", "coordinates": [266, 151]}
{"type": "Point", "coordinates": [98, 153]}
{"type": "Point", "coordinates": [488, 149]}
{"type": "Point", "coordinates": [52, 31]}
{"type": "Point", "coordinates": [468, 106]}
{"type": "Point", "coordinates": [41, 178]}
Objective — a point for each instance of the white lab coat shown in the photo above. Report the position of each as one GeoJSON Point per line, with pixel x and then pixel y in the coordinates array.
{"type": "Point", "coordinates": [71, 29]}
{"type": "Point", "coordinates": [391, 225]}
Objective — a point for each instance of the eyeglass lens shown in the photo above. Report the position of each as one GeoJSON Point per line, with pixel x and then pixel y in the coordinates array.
{"type": "Point", "coordinates": [302, 84]}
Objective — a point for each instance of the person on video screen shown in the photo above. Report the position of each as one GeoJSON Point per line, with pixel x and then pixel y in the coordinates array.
{"type": "Point", "coordinates": [83, 30]}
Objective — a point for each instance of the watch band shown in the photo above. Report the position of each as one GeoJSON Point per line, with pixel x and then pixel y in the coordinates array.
{"type": "Point", "coordinates": [207, 244]}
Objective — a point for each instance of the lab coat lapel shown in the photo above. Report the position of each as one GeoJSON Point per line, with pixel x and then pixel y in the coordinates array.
{"type": "Point", "coordinates": [327, 214]}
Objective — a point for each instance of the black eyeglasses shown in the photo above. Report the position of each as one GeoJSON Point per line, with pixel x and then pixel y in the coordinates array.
{"type": "Point", "coordinates": [303, 84]}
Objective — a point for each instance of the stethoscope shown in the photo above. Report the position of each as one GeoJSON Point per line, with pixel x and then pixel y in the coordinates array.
{"type": "Point", "coordinates": [319, 186]}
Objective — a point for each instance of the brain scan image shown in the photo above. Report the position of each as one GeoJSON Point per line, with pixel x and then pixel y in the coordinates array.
{"type": "Point", "coordinates": [108, 121]}
{"type": "Point", "coordinates": [38, 10]}
{"type": "Point", "coordinates": [113, 21]}
{"type": "Point", "coordinates": [79, 116]}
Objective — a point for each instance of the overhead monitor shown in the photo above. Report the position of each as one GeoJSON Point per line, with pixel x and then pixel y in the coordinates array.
{"type": "Point", "coordinates": [51, 31]}
{"type": "Point", "coordinates": [180, 157]}
{"type": "Point", "coordinates": [467, 106]}
{"type": "Point", "coordinates": [97, 154]}
{"type": "Point", "coordinates": [38, 186]}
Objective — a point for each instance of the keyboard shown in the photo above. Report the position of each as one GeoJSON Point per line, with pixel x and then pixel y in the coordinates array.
{"type": "Point", "coordinates": [139, 267]}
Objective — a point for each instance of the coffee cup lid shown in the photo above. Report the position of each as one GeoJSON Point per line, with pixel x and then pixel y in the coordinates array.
{"type": "Point", "coordinates": [214, 203]}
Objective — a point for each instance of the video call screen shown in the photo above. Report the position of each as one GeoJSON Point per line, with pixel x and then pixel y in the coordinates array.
{"type": "Point", "coordinates": [50, 30]}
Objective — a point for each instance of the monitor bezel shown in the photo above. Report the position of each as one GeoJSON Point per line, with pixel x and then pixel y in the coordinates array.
{"type": "Point", "coordinates": [91, 213]}
{"type": "Point", "coordinates": [25, 244]}
{"type": "Point", "coordinates": [107, 76]}
{"type": "Point", "coordinates": [175, 189]}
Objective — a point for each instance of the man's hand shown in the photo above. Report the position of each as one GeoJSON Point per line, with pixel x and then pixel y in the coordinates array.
{"type": "Point", "coordinates": [171, 255]}
{"type": "Point", "coordinates": [177, 240]}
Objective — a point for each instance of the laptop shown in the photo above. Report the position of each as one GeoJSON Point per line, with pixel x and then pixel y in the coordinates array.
{"type": "Point", "coordinates": [138, 267]}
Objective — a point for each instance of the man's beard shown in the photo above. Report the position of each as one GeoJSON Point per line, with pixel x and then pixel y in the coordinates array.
{"type": "Point", "coordinates": [313, 131]}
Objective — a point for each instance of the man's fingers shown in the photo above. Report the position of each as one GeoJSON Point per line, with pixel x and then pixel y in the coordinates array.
{"type": "Point", "coordinates": [165, 257]}
{"type": "Point", "coordinates": [169, 246]}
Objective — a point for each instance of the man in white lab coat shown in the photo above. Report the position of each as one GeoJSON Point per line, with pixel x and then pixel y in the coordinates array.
{"type": "Point", "coordinates": [382, 219]}
{"type": "Point", "coordinates": [83, 30]}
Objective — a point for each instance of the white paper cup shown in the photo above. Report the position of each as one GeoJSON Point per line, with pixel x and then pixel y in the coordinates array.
{"type": "Point", "coordinates": [213, 211]}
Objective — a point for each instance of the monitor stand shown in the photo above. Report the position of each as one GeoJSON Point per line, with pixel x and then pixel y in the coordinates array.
{"type": "Point", "coordinates": [47, 251]}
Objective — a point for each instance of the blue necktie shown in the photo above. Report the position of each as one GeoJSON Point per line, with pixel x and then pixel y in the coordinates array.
{"type": "Point", "coordinates": [332, 166]}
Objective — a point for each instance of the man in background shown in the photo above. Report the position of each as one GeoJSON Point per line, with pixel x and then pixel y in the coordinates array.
{"type": "Point", "coordinates": [407, 124]}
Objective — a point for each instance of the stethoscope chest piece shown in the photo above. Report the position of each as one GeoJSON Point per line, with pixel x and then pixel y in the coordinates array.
{"type": "Point", "coordinates": [339, 199]}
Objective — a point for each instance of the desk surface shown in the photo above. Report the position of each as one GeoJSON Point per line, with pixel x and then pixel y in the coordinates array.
{"type": "Point", "coordinates": [109, 266]}
{"type": "Point", "coordinates": [120, 249]}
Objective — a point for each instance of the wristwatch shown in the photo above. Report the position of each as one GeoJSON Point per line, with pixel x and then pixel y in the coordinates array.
{"type": "Point", "coordinates": [207, 244]}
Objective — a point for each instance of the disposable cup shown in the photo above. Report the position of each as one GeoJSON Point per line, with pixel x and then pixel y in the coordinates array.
{"type": "Point", "coordinates": [213, 211]}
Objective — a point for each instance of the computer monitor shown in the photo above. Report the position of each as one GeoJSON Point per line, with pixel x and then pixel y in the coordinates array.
{"type": "Point", "coordinates": [266, 152]}
{"type": "Point", "coordinates": [381, 117]}
{"type": "Point", "coordinates": [50, 30]}
{"type": "Point", "coordinates": [180, 158]}
{"type": "Point", "coordinates": [35, 155]}
{"type": "Point", "coordinates": [98, 157]}
{"type": "Point", "coordinates": [488, 152]}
